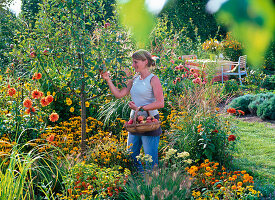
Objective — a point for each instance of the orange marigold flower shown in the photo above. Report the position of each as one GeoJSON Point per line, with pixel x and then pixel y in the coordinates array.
{"type": "Point", "coordinates": [50, 138]}
{"type": "Point", "coordinates": [44, 101]}
{"type": "Point", "coordinates": [11, 91]}
{"type": "Point", "coordinates": [243, 172]}
{"type": "Point", "coordinates": [234, 187]}
{"type": "Point", "coordinates": [240, 184]}
{"type": "Point", "coordinates": [49, 98]}
{"type": "Point", "coordinates": [231, 137]}
{"type": "Point", "coordinates": [231, 110]}
{"type": "Point", "coordinates": [53, 117]}
{"type": "Point", "coordinates": [36, 94]}
{"type": "Point", "coordinates": [27, 103]}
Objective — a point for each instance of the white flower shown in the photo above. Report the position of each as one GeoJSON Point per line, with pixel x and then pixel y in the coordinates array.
{"type": "Point", "coordinates": [189, 161]}
{"type": "Point", "coordinates": [183, 154]}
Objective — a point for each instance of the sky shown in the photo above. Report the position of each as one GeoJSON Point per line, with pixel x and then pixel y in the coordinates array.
{"type": "Point", "coordinates": [154, 5]}
{"type": "Point", "coordinates": [16, 6]}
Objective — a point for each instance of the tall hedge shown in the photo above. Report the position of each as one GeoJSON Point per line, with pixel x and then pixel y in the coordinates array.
{"type": "Point", "coordinates": [180, 12]}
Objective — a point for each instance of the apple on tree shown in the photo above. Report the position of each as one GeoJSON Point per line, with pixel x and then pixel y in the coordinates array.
{"type": "Point", "coordinates": [46, 52]}
{"type": "Point", "coordinates": [32, 54]}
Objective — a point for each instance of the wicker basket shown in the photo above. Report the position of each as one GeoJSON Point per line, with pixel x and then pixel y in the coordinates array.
{"type": "Point", "coordinates": [141, 128]}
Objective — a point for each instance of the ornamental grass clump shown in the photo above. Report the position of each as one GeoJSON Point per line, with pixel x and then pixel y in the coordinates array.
{"type": "Point", "coordinates": [161, 183]}
{"type": "Point", "coordinates": [212, 181]}
{"type": "Point", "coordinates": [27, 174]}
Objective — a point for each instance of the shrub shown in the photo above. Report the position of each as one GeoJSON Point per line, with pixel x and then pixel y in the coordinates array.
{"type": "Point", "coordinates": [269, 82]}
{"type": "Point", "coordinates": [241, 103]}
{"type": "Point", "coordinates": [258, 100]}
{"type": "Point", "coordinates": [266, 110]}
{"type": "Point", "coordinates": [204, 136]}
{"type": "Point", "coordinates": [231, 87]}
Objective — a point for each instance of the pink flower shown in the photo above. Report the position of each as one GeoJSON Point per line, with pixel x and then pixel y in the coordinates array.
{"type": "Point", "coordinates": [197, 80]}
{"type": "Point", "coordinates": [172, 61]}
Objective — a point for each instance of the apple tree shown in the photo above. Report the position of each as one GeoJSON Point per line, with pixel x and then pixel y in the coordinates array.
{"type": "Point", "coordinates": [70, 43]}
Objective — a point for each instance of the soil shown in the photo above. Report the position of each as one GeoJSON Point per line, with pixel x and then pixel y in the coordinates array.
{"type": "Point", "coordinates": [251, 118]}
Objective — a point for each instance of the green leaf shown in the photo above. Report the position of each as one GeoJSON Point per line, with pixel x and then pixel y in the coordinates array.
{"type": "Point", "coordinates": [252, 23]}
{"type": "Point", "coordinates": [136, 17]}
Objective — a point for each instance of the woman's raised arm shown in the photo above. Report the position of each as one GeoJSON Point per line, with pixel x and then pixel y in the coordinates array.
{"type": "Point", "coordinates": [118, 93]}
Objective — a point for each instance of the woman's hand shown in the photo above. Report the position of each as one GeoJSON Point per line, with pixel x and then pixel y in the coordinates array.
{"type": "Point", "coordinates": [105, 75]}
{"type": "Point", "coordinates": [132, 105]}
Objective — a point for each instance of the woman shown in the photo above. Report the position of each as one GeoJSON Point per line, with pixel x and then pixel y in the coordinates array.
{"type": "Point", "coordinates": [147, 94]}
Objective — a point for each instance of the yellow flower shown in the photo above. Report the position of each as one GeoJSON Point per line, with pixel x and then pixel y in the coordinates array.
{"type": "Point", "coordinates": [48, 93]}
{"type": "Point", "coordinates": [69, 101]}
{"type": "Point", "coordinates": [87, 104]}
{"type": "Point", "coordinates": [72, 109]}
{"type": "Point", "coordinates": [53, 94]}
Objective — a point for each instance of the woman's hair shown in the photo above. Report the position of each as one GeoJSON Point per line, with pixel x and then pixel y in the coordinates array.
{"type": "Point", "coordinates": [144, 55]}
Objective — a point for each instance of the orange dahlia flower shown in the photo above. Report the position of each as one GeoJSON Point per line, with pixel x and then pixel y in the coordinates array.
{"type": "Point", "coordinates": [44, 102]}
{"type": "Point", "coordinates": [231, 110]}
{"type": "Point", "coordinates": [231, 137]}
{"type": "Point", "coordinates": [50, 138]}
{"type": "Point", "coordinates": [11, 91]}
{"type": "Point", "coordinates": [27, 103]}
{"type": "Point", "coordinates": [36, 94]}
{"type": "Point", "coordinates": [37, 76]}
{"type": "Point", "coordinates": [240, 112]}
{"type": "Point", "coordinates": [49, 98]}
{"type": "Point", "coordinates": [53, 117]}
{"type": "Point", "coordinates": [29, 110]}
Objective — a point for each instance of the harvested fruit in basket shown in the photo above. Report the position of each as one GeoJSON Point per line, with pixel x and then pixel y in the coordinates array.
{"type": "Point", "coordinates": [142, 120]}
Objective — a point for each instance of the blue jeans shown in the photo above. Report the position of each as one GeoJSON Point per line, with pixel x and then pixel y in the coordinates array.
{"type": "Point", "coordinates": [150, 146]}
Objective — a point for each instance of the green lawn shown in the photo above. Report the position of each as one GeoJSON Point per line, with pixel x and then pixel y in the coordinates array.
{"type": "Point", "coordinates": [256, 153]}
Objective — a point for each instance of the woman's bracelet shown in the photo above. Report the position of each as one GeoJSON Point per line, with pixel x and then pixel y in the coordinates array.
{"type": "Point", "coordinates": [141, 108]}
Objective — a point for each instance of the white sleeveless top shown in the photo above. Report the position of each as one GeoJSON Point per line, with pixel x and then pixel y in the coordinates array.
{"type": "Point", "coordinates": [142, 94]}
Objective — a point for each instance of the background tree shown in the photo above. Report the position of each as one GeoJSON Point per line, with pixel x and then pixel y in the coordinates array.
{"type": "Point", "coordinates": [29, 10]}
{"type": "Point", "coordinates": [8, 25]}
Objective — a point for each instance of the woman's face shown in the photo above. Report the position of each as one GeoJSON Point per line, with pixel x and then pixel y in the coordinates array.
{"type": "Point", "coordinates": [139, 65]}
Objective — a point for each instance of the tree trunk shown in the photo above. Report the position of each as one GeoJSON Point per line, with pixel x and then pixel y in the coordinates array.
{"type": "Point", "coordinates": [83, 99]}
{"type": "Point", "coordinates": [83, 123]}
